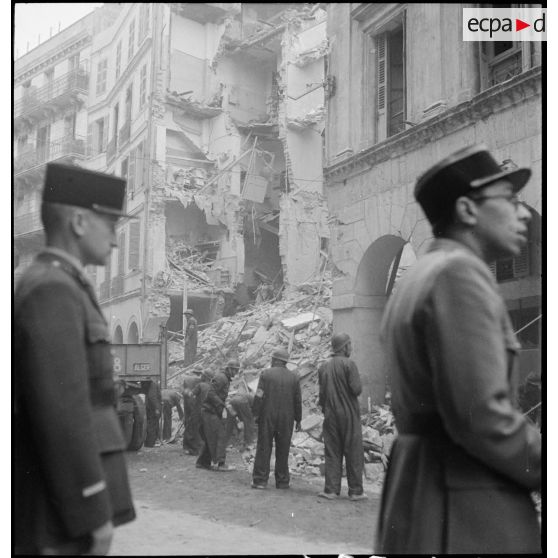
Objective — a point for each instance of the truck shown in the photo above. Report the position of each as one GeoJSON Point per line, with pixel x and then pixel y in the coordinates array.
{"type": "Point", "coordinates": [135, 366]}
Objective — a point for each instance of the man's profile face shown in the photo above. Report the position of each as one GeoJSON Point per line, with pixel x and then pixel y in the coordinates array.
{"type": "Point", "coordinates": [99, 237]}
{"type": "Point", "coordinates": [501, 223]}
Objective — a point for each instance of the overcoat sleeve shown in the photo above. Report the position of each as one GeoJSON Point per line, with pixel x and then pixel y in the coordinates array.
{"type": "Point", "coordinates": [56, 394]}
{"type": "Point", "coordinates": [297, 399]}
{"type": "Point", "coordinates": [260, 396]}
{"type": "Point", "coordinates": [470, 362]}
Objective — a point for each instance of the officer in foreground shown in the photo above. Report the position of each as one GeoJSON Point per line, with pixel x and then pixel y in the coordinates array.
{"type": "Point", "coordinates": [277, 407]}
{"type": "Point", "coordinates": [71, 485]}
{"type": "Point", "coordinates": [340, 387]}
{"type": "Point", "coordinates": [465, 460]}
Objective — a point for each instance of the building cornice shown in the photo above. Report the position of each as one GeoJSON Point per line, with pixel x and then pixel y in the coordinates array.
{"type": "Point", "coordinates": [491, 101]}
{"type": "Point", "coordinates": [61, 52]}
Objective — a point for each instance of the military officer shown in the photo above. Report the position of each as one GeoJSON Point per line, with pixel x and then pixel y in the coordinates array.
{"type": "Point", "coordinates": [70, 480]}
{"type": "Point", "coordinates": [465, 459]}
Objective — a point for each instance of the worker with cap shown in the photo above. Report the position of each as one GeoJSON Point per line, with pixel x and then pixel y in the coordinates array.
{"type": "Point", "coordinates": [70, 479]}
{"type": "Point", "coordinates": [240, 418]}
{"type": "Point", "coordinates": [277, 407]}
{"type": "Point", "coordinates": [214, 414]}
{"type": "Point", "coordinates": [171, 399]}
{"type": "Point", "coordinates": [340, 387]}
{"type": "Point", "coordinates": [191, 440]}
{"type": "Point", "coordinates": [190, 337]}
{"type": "Point", "coordinates": [464, 454]}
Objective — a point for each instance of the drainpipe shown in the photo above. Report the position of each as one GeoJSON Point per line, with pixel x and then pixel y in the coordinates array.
{"type": "Point", "coordinates": [155, 49]}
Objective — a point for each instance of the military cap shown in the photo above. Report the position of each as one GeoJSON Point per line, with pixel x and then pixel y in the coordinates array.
{"type": "Point", "coordinates": [281, 354]}
{"type": "Point", "coordinates": [71, 185]}
{"type": "Point", "coordinates": [338, 341]}
{"type": "Point", "coordinates": [458, 174]}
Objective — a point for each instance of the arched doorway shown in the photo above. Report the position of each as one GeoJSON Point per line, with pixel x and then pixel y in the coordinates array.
{"type": "Point", "coordinates": [117, 336]}
{"type": "Point", "coordinates": [380, 267]}
{"type": "Point", "coordinates": [133, 334]}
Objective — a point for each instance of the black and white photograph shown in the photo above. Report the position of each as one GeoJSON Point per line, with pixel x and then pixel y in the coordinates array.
{"type": "Point", "coordinates": [278, 279]}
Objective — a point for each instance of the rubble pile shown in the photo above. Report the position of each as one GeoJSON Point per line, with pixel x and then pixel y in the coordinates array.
{"type": "Point", "coordinates": [186, 262]}
{"type": "Point", "coordinates": [301, 322]}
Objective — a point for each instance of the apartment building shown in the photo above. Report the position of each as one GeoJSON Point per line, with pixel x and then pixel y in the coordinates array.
{"type": "Point", "coordinates": [214, 113]}
{"type": "Point", "coordinates": [412, 92]}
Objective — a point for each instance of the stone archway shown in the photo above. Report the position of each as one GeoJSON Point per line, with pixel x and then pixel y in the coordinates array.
{"type": "Point", "coordinates": [133, 334]}
{"type": "Point", "coordinates": [377, 272]}
{"type": "Point", "coordinates": [118, 336]}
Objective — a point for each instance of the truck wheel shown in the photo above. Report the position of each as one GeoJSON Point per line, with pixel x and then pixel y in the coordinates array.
{"type": "Point", "coordinates": [140, 424]}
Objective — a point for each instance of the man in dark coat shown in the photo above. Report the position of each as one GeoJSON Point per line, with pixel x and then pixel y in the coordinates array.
{"type": "Point", "coordinates": [70, 479]}
{"type": "Point", "coordinates": [277, 407]}
{"type": "Point", "coordinates": [465, 459]}
{"type": "Point", "coordinates": [153, 408]}
{"type": "Point", "coordinates": [340, 387]}
{"type": "Point", "coordinates": [214, 414]}
{"type": "Point", "coordinates": [191, 440]}
{"type": "Point", "coordinates": [240, 418]}
{"type": "Point", "coordinates": [171, 398]}
{"type": "Point", "coordinates": [190, 337]}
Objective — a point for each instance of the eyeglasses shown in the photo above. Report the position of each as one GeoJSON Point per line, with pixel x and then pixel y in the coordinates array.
{"type": "Point", "coordinates": [514, 199]}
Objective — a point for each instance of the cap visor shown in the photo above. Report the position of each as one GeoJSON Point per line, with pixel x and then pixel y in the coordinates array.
{"type": "Point", "coordinates": [518, 178]}
{"type": "Point", "coordinates": [110, 211]}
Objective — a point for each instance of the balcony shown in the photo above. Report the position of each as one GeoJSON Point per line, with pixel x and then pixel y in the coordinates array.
{"type": "Point", "coordinates": [34, 157]}
{"type": "Point", "coordinates": [57, 94]}
{"type": "Point", "coordinates": [27, 223]}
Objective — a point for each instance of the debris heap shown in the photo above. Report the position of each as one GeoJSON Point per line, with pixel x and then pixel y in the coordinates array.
{"type": "Point", "coordinates": [302, 323]}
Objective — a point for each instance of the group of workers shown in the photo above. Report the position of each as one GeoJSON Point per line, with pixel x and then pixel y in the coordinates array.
{"type": "Point", "coordinates": [465, 458]}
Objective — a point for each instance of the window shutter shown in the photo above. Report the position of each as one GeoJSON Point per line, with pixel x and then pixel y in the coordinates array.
{"type": "Point", "coordinates": [492, 267]}
{"type": "Point", "coordinates": [381, 65]}
{"type": "Point", "coordinates": [139, 166]}
{"type": "Point", "coordinates": [134, 251]}
{"type": "Point", "coordinates": [132, 173]}
{"type": "Point", "coordinates": [121, 252]}
{"type": "Point", "coordinates": [90, 141]}
{"type": "Point", "coordinates": [105, 134]}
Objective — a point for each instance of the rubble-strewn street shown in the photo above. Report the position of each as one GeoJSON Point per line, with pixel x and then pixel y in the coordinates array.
{"type": "Point", "coordinates": [187, 511]}
{"type": "Point", "coordinates": [301, 321]}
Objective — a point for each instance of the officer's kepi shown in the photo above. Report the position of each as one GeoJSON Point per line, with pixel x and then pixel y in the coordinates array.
{"type": "Point", "coordinates": [97, 191]}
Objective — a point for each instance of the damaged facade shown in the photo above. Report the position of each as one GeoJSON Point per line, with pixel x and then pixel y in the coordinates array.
{"type": "Point", "coordinates": [424, 93]}
{"type": "Point", "coordinates": [214, 114]}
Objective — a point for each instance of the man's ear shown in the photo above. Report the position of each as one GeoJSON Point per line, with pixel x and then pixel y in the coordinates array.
{"type": "Point", "coordinates": [466, 211]}
{"type": "Point", "coordinates": [78, 222]}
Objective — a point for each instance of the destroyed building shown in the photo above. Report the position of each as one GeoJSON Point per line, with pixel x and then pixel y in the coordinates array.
{"type": "Point", "coordinates": [214, 114]}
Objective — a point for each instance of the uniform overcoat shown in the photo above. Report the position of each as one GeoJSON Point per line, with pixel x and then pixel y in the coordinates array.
{"type": "Point", "coordinates": [69, 469]}
{"type": "Point", "coordinates": [465, 459]}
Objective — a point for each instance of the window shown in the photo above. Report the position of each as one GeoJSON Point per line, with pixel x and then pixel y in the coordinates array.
{"type": "Point", "coordinates": [131, 39]}
{"type": "Point", "coordinates": [132, 173]}
{"type": "Point", "coordinates": [118, 58]}
{"type": "Point", "coordinates": [124, 169]}
{"type": "Point", "coordinates": [70, 125]}
{"type": "Point", "coordinates": [101, 77]}
{"type": "Point", "coordinates": [121, 252]}
{"type": "Point", "coordinates": [134, 246]}
{"type": "Point", "coordinates": [390, 79]}
{"type": "Point", "coordinates": [73, 63]}
{"type": "Point", "coordinates": [97, 136]}
{"type": "Point", "coordinates": [140, 167]}
{"type": "Point", "coordinates": [143, 85]}
{"type": "Point", "coordinates": [502, 60]}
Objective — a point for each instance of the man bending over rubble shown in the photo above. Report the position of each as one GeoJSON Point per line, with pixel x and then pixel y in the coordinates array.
{"type": "Point", "coordinates": [214, 414]}
{"type": "Point", "coordinates": [340, 387]}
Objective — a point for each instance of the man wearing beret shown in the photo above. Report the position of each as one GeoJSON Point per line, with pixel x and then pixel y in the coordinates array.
{"type": "Point", "coordinates": [465, 458]}
{"type": "Point", "coordinates": [277, 407]}
{"type": "Point", "coordinates": [71, 486]}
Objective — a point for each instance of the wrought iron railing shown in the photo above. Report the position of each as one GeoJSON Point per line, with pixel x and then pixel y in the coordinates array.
{"type": "Point", "coordinates": [38, 155]}
{"type": "Point", "coordinates": [76, 80]}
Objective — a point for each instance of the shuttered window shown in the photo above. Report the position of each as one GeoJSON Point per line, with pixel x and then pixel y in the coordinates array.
{"type": "Point", "coordinates": [134, 246]}
{"type": "Point", "coordinates": [121, 252]}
